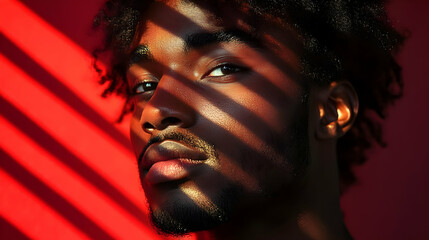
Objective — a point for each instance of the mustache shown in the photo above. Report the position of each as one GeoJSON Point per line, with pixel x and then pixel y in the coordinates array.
{"type": "Point", "coordinates": [187, 139]}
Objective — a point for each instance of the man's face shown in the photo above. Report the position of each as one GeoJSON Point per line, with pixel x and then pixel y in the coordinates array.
{"type": "Point", "coordinates": [219, 120]}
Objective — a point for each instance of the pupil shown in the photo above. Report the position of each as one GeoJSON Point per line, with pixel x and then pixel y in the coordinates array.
{"type": "Point", "coordinates": [228, 69]}
{"type": "Point", "coordinates": [149, 86]}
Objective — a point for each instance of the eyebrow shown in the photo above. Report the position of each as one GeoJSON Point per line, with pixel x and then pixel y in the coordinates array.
{"type": "Point", "coordinates": [197, 41]}
{"type": "Point", "coordinates": [140, 54]}
{"type": "Point", "coordinates": [203, 39]}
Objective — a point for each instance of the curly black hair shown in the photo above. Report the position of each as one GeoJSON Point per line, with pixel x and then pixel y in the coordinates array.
{"type": "Point", "coordinates": [343, 39]}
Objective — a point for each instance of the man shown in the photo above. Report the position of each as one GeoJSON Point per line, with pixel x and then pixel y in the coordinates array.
{"type": "Point", "coordinates": [240, 109]}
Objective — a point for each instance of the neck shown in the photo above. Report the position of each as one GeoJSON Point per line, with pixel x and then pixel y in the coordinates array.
{"type": "Point", "coordinates": [313, 213]}
{"type": "Point", "coordinates": [279, 222]}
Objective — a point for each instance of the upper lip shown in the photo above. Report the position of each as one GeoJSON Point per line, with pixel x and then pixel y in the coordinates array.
{"type": "Point", "coordinates": [167, 150]}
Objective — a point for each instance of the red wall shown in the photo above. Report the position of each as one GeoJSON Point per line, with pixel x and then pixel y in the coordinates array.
{"type": "Point", "coordinates": [391, 200]}
{"type": "Point", "coordinates": [66, 171]}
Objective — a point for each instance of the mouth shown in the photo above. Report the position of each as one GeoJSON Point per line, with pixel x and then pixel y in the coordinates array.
{"type": "Point", "coordinates": [169, 160]}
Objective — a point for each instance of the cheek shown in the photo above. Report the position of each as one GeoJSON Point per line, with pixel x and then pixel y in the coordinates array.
{"type": "Point", "coordinates": [250, 121]}
{"type": "Point", "coordinates": [248, 114]}
{"type": "Point", "coordinates": [137, 134]}
{"type": "Point", "coordinates": [232, 169]}
{"type": "Point", "coordinates": [255, 110]}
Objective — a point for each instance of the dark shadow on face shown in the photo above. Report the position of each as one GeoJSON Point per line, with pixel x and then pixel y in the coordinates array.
{"type": "Point", "coordinates": [255, 123]}
{"type": "Point", "coordinates": [51, 198]}
{"type": "Point", "coordinates": [271, 93]}
{"type": "Point", "coordinates": [184, 214]}
{"type": "Point", "coordinates": [227, 18]}
{"type": "Point", "coordinates": [47, 142]}
{"type": "Point", "coordinates": [253, 162]}
{"type": "Point", "coordinates": [178, 211]}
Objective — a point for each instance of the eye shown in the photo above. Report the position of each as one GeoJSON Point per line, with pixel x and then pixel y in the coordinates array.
{"type": "Point", "coordinates": [223, 70]}
{"type": "Point", "coordinates": [144, 87]}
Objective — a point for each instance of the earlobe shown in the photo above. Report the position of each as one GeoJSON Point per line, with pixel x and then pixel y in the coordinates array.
{"type": "Point", "coordinates": [338, 108]}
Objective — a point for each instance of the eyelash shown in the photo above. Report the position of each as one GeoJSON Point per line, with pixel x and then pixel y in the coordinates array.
{"type": "Point", "coordinates": [147, 84]}
{"type": "Point", "coordinates": [151, 85]}
{"type": "Point", "coordinates": [222, 67]}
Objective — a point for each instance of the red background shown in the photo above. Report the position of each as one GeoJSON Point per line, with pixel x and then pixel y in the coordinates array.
{"type": "Point", "coordinates": [67, 172]}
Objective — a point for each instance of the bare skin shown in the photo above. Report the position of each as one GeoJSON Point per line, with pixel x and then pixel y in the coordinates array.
{"type": "Point", "coordinates": [222, 132]}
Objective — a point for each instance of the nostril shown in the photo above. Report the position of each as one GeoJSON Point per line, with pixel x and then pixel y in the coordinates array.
{"type": "Point", "coordinates": [147, 126]}
{"type": "Point", "coordinates": [170, 121]}
{"type": "Point", "coordinates": [166, 122]}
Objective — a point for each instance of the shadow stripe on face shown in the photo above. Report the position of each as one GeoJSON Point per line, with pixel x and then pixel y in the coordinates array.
{"type": "Point", "coordinates": [223, 104]}
{"type": "Point", "coordinates": [234, 140]}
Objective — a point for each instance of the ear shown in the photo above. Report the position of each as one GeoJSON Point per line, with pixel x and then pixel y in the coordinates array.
{"type": "Point", "coordinates": [338, 107]}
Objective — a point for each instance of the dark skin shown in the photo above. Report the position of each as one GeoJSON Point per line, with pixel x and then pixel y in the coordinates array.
{"type": "Point", "coordinates": [225, 116]}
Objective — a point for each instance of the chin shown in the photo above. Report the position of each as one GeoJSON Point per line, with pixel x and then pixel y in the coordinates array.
{"type": "Point", "coordinates": [181, 213]}
{"type": "Point", "coordinates": [184, 219]}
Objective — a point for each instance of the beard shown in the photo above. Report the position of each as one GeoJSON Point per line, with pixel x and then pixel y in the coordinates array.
{"type": "Point", "coordinates": [180, 218]}
{"type": "Point", "coordinates": [182, 215]}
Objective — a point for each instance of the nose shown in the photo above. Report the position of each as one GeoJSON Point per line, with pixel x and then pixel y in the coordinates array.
{"type": "Point", "coordinates": [167, 109]}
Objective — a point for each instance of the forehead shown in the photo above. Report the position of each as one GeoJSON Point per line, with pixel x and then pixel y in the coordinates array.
{"type": "Point", "coordinates": [185, 13]}
{"type": "Point", "coordinates": [180, 18]}
{"type": "Point", "coordinates": [167, 24]}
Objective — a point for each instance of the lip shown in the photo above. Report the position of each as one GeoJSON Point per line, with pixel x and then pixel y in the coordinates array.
{"type": "Point", "coordinates": [169, 160]}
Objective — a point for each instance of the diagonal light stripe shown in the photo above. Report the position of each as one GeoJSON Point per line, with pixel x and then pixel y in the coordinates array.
{"type": "Point", "coordinates": [109, 158]}
{"type": "Point", "coordinates": [29, 214]}
{"type": "Point", "coordinates": [60, 56]}
{"type": "Point", "coordinates": [89, 200]}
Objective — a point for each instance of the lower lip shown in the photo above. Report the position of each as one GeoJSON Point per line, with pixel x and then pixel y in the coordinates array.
{"type": "Point", "coordinates": [170, 170]}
